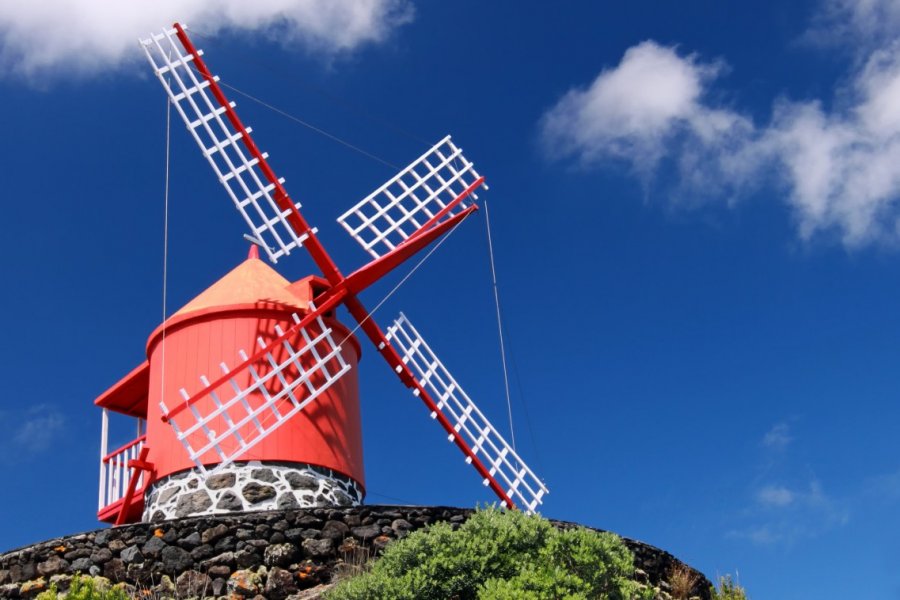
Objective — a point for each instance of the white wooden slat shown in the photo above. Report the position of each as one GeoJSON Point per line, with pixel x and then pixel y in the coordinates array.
{"type": "Point", "coordinates": [287, 378]}
{"type": "Point", "coordinates": [467, 420]}
{"type": "Point", "coordinates": [416, 197]}
{"type": "Point", "coordinates": [237, 171]}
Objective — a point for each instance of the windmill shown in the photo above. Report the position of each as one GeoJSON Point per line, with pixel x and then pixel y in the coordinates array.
{"type": "Point", "coordinates": [284, 415]}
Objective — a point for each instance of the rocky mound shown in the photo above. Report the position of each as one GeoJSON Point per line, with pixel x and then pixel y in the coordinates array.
{"type": "Point", "coordinates": [285, 554]}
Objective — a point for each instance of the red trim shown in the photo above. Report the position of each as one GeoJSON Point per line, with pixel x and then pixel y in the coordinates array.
{"type": "Point", "coordinates": [332, 301]}
{"type": "Point", "coordinates": [128, 396]}
{"type": "Point", "coordinates": [312, 244]}
{"type": "Point", "coordinates": [443, 212]}
{"type": "Point", "coordinates": [135, 442]}
{"type": "Point", "coordinates": [260, 309]}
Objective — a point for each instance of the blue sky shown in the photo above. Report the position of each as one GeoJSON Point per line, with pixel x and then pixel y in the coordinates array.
{"type": "Point", "coordinates": [694, 210]}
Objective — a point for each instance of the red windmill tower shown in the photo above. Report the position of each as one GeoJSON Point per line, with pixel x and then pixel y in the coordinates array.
{"type": "Point", "coordinates": [249, 397]}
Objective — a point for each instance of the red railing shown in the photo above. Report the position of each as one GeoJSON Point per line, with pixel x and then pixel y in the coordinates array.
{"type": "Point", "coordinates": [115, 474]}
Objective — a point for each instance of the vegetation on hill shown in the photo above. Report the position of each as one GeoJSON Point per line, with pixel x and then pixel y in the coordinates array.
{"type": "Point", "coordinates": [497, 555]}
{"type": "Point", "coordinates": [86, 588]}
{"type": "Point", "coordinates": [494, 555]}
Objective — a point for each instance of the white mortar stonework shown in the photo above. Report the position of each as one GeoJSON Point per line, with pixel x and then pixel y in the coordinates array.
{"type": "Point", "coordinates": [248, 486]}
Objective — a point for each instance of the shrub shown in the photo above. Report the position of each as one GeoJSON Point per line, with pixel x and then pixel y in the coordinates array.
{"type": "Point", "coordinates": [728, 590]}
{"type": "Point", "coordinates": [682, 580]}
{"type": "Point", "coordinates": [85, 588]}
{"type": "Point", "coordinates": [498, 555]}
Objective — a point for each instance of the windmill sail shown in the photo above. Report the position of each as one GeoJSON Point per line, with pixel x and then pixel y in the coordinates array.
{"type": "Point", "coordinates": [502, 462]}
{"type": "Point", "coordinates": [249, 402]}
{"type": "Point", "coordinates": [240, 167]}
{"type": "Point", "coordinates": [434, 187]}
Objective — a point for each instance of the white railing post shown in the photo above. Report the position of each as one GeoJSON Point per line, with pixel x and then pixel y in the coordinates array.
{"type": "Point", "coordinates": [104, 440]}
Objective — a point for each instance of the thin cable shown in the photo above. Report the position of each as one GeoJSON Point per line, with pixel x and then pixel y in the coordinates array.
{"type": "Point", "coordinates": [318, 130]}
{"type": "Point", "coordinates": [487, 222]}
{"type": "Point", "coordinates": [165, 247]}
{"type": "Point", "coordinates": [405, 502]}
{"type": "Point", "coordinates": [349, 105]}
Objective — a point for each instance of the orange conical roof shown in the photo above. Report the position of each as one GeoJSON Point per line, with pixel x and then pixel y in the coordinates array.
{"type": "Point", "coordinates": [252, 285]}
{"type": "Point", "coordinates": [251, 282]}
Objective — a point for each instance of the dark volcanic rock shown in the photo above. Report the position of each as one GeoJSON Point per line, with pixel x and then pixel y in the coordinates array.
{"type": "Point", "coordinates": [191, 583]}
{"type": "Point", "coordinates": [52, 566]}
{"type": "Point", "coordinates": [280, 584]}
{"type": "Point", "coordinates": [190, 542]}
{"type": "Point", "coordinates": [220, 480]}
{"type": "Point", "coordinates": [318, 548]}
{"type": "Point", "coordinates": [81, 565]}
{"type": "Point", "coordinates": [366, 532]}
{"type": "Point", "coordinates": [132, 554]}
{"type": "Point", "coordinates": [287, 500]}
{"type": "Point", "coordinates": [153, 547]}
{"type": "Point", "coordinates": [214, 533]}
{"type": "Point", "coordinates": [302, 482]}
{"type": "Point", "coordinates": [263, 475]}
{"type": "Point", "coordinates": [175, 559]}
{"type": "Point", "coordinates": [189, 504]}
{"type": "Point", "coordinates": [280, 555]}
{"type": "Point", "coordinates": [255, 493]}
{"type": "Point", "coordinates": [335, 530]}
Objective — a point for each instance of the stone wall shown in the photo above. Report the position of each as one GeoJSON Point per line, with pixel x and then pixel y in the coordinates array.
{"type": "Point", "coordinates": [278, 554]}
{"type": "Point", "coordinates": [248, 486]}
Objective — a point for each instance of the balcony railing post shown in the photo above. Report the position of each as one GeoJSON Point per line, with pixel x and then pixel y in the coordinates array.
{"type": "Point", "coordinates": [104, 440]}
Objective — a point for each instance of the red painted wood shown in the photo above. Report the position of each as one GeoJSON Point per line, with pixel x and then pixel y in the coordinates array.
{"type": "Point", "coordinates": [328, 433]}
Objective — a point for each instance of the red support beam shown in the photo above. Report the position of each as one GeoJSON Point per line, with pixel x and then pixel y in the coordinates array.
{"type": "Point", "coordinates": [378, 268]}
{"type": "Point", "coordinates": [136, 465]}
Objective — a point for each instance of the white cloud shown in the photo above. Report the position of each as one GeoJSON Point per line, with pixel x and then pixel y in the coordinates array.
{"type": "Point", "coordinates": [781, 514]}
{"type": "Point", "coordinates": [87, 36]}
{"type": "Point", "coordinates": [634, 111]}
{"type": "Point", "coordinates": [836, 169]}
{"type": "Point", "coordinates": [35, 429]}
{"type": "Point", "coordinates": [775, 495]}
{"type": "Point", "coordinates": [856, 24]}
{"type": "Point", "coordinates": [778, 437]}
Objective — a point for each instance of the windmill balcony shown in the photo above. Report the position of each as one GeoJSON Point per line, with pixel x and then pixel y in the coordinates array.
{"type": "Point", "coordinates": [115, 476]}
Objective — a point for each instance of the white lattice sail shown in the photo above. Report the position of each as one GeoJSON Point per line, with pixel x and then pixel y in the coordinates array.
{"type": "Point", "coordinates": [502, 462]}
{"type": "Point", "coordinates": [220, 135]}
{"type": "Point", "coordinates": [423, 194]}
{"type": "Point", "coordinates": [255, 399]}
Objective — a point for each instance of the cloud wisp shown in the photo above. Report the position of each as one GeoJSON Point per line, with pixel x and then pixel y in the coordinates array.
{"type": "Point", "coordinates": [785, 504]}
{"type": "Point", "coordinates": [835, 168]}
{"type": "Point", "coordinates": [36, 429]}
{"type": "Point", "coordinates": [83, 37]}
{"type": "Point", "coordinates": [778, 437]}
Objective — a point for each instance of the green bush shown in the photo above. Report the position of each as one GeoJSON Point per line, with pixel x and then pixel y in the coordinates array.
{"type": "Point", "coordinates": [498, 555]}
{"type": "Point", "coordinates": [85, 588]}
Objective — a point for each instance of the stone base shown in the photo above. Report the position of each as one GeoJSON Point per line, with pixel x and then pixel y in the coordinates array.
{"type": "Point", "coordinates": [264, 555]}
{"type": "Point", "coordinates": [249, 486]}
